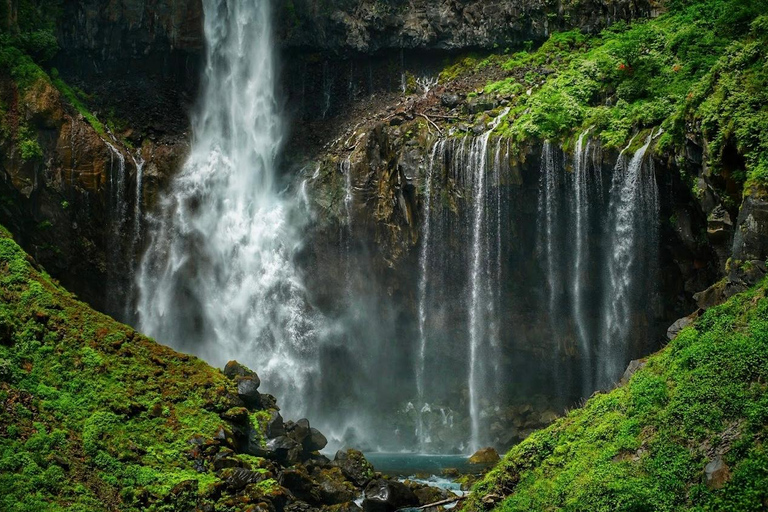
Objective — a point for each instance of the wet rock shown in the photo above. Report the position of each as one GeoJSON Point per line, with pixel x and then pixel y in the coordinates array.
{"type": "Point", "coordinates": [485, 456]}
{"type": "Point", "coordinates": [717, 472]}
{"type": "Point", "coordinates": [334, 488]}
{"type": "Point", "coordinates": [450, 100]}
{"type": "Point", "coordinates": [233, 369]}
{"type": "Point", "coordinates": [248, 390]}
{"type": "Point", "coordinates": [237, 479]}
{"type": "Point", "coordinates": [284, 450]}
{"type": "Point", "coordinates": [275, 426]}
{"type": "Point", "coordinates": [298, 481]}
{"type": "Point", "coordinates": [315, 441]}
{"type": "Point", "coordinates": [225, 459]}
{"type": "Point", "coordinates": [349, 506]}
{"type": "Point", "coordinates": [547, 417]}
{"type": "Point", "coordinates": [632, 368]}
{"type": "Point", "coordinates": [299, 431]}
{"type": "Point", "coordinates": [480, 104]}
{"type": "Point", "coordinates": [300, 506]}
{"type": "Point", "coordinates": [382, 495]}
{"type": "Point", "coordinates": [354, 466]}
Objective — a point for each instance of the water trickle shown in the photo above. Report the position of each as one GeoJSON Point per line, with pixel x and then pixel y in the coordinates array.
{"type": "Point", "coordinates": [218, 277]}
{"type": "Point", "coordinates": [423, 281]}
{"type": "Point", "coordinates": [581, 204]}
{"type": "Point", "coordinates": [478, 159]}
{"type": "Point", "coordinates": [633, 245]}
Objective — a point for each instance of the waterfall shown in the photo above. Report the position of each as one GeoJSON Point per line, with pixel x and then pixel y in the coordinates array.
{"type": "Point", "coordinates": [581, 202]}
{"type": "Point", "coordinates": [548, 234]}
{"type": "Point", "coordinates": [218, 277]}
{"type": "Point", "coordinates": [423, 281]}
{"type": "Point", "coordinates": [633, 243]}
{"type": "Point", "coordinates": [478, 159]}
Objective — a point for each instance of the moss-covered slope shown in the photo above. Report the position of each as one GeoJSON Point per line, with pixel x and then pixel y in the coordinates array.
{"type": "Point", "coordinates": [688, 432]}
{"type": "Point", "coordinates": [94, 416]}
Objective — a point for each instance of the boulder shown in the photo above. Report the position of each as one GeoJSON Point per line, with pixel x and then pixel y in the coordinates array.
{"type": "Point", "coordinates": [248, 390]}
{"type": "Point", "coordinates": [382, 495]}
{"type": "Point", "coordinates": [450, 100]}
{"type": "Point", "coordinates": [717, 472]}
{"type": "Point", "coordinates": [485, 456]}
{"type": "Point", "coordinates": [334, 488]}
{"type": "Point", "coordinates": [632, 368]}
{"type": "Point", "coordinates": [234, 369]}
{"type": "Point", "coordinates": [237, 479]}
{"type": "Point", "coordinates": [275, 426]}
{"type": "Point", "coordinates": [354, 466]}
{"type": "Point", "coordinates": [298, 481]}
{"type": "Point", "coordinates": [314, 441]}
{"type": "Point", "coordinates": [299, 431]}
{"type": "Point", "coordinates": [680, 324]}
{"type": "Point", "coordinates": [284, 449]}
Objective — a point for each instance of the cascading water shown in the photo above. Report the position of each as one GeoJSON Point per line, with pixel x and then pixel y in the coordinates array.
{"type": "Point", "coordinates": [581, 202]}
{"type": "Point", "coordinates": [478, 286]}
{"type": "Point", "coordinates": [423, 281]}
{"type": "Point", "coordinates": [218, 278]}
{"type": "Point", "coordinates": [633, 230]}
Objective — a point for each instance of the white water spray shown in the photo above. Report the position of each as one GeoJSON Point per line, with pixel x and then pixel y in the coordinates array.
{"type": "Point", "coordinates": [218, 278]}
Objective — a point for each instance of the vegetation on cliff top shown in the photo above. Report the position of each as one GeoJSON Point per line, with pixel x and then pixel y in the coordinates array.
{"type": "Point", "coordinates": [93, 415]}
{"type": "Point", "coordinates": [698, 68]}
{"type": "Point", "coordinates": [701, 401]}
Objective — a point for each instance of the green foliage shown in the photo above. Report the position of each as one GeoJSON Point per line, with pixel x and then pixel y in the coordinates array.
{"type": "Point", "coordinates": [75, 100]}
{"type": "Point", "coordinates": [94, 416]}
{"type": "Point", "coordinates": [644, 446]}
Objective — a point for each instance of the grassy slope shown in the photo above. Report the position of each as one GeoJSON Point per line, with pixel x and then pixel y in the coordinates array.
{"type": "Point", "coordinates": [644, 446]}
{"type": "Point", "coordinates": [93, 415]}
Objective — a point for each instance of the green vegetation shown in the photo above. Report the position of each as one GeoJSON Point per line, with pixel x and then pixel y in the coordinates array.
{"type": "Point", "coordinates": [644, 446]}
{"type": "Point", "coordinates": [700, 66]}
{"type": "Point", "coordinates": [93, 415]}
{"type": "Point", "coordinates": [75, 98]}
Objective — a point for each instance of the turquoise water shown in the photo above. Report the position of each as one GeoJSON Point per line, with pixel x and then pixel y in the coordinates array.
{"type": "Point", "coordinates": [409, 464]}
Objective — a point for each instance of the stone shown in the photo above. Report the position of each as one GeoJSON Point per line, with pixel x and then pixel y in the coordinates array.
{"type": "Point", "coordinates": [237, 479]}
{"type": "Point", "coordinates": [234, 369]}
{"type": "Point", "coordinates": [315, 441]}
{"type": "Point", "coordinates": [297, 480]}
{"type": "Point", "coordinates": [382, 495]}
{"type": "Point", "coordinates": [334, 488]}
{"type": "Point", "coordinates": [354, 466]}
{"type": "Point", "coordinates": [632, 368]}
{"type": "Point", "coordinates": [485, 456]}
{"type": "Point", "coordinates": [275, 426]}
{"type": "Point", "coordinates": [548, 417]}
{"type": "Point", "coordinates": [284, 449]}
{"type": "Point", "coordinates": [248, 390]}
{"type": "Point", "coordinates": [717, 472]}
{"type": "Point", "coordinates": [450, 100]}
{"type": "Point", "coordinates": [680, 324]}
{"type": "Point", "coordinates": [349, 506]}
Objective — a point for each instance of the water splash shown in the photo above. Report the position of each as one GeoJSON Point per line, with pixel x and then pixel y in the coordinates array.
{"type": "Point", "coordinates": [218, 278]}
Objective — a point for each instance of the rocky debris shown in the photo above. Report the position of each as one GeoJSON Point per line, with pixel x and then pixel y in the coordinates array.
{"type": "Point", "coordinates": [485, 456]}
{"type": "Point", "coordinates": [349, 506]}
{"type": "Point", "coordinates": [297, 480]}
{"type": "Point", "coordinates": [354, 466]}
{"type": "Point", "coordinates": [382, 495]}
{"type": "Point", "coordinates": [333, 486]}
{"type": "Point", "coordinates": [450, 100]}
{"type": "Point", "coordinates": [632, 368]}
{"type": "Point", "coordinates": [237, 479]}
{"type": "Point", "coordinates": [717, 472]}
{"type": "Point", "coordinates": [284, 450]}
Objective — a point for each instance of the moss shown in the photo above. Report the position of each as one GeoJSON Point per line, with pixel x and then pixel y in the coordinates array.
{"type": "Point", "coordinates": [77, 397]}
{"type": "Point", "coordinates": [644, 446]}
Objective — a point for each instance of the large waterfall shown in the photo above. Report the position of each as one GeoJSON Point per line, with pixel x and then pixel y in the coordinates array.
{"type": "Point", "coordinates": [530, 281]}
{"type": "Point", "coordinates": [218, 278]}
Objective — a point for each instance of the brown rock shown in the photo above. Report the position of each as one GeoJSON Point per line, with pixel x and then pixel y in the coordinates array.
{"type": "Point", "coordinates": [485, 456]}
